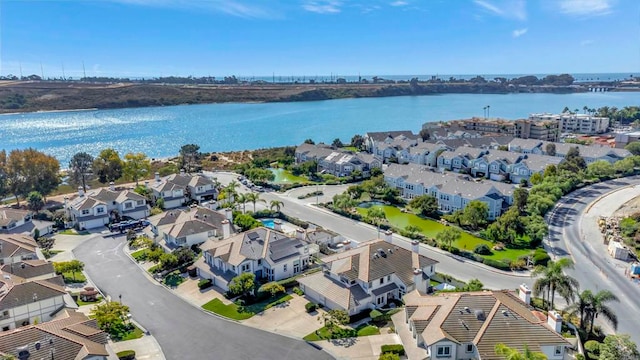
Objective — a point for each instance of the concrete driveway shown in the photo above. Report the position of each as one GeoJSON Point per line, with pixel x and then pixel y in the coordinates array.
{"type": "Point", "coordinates": [182, 330]}
{"type": "Point", "coordinates": [289, 319]}
{"type": "Point", "coordinates": [360, 348]}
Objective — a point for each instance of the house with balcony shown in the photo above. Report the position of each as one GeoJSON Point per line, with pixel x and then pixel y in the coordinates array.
{"type": "Point", "coordinates": [453, 191]}
{"type": "Point", "coordinates": [468, 325]}
{"type": "Point", "coordinates": [269, 254]}
{"type": "Point", "coordinates": [99, 207]}
{"type": "Point", "coordinates": [374, 142]}
{"type": "Point", "coordinates": [459, 160]}
{"type": "Point", "coordinates": [24, 302]}
{"type": "Point", "coordinates": [15, 248]}
{"type": "Point", "coordinates": [369, 276]}
{"type": "Point", "coordinates": [494, 164]}
{"type": "Point", "coordinates": [424, 153]}
{"type": "Point", "coordinates": [179, 189]}
{"type": "Point", "coordinates": [175, 228]}
{"type": "Point", "coordinates": [71, 335]}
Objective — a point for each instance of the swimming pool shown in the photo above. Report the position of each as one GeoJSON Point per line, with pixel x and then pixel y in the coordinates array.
{"type": "Point", "coordinates": [268, 223]}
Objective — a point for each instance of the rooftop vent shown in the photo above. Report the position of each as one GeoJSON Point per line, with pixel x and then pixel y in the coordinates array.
{"type": "Point", "coordinates": [505, 313]}
{"type": "Point", "coordinates": [464, 324]}
{"type": "Point", "coordinates": [479, 315]}
{"type": "Point", "coordinates": [390, 251]}
{"type": "Point", "coordinates": [466, 308]}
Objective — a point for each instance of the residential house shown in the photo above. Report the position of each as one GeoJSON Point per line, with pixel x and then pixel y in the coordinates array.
{"type": "Point", "coordinates": [375, 140]}
{"type": "Point", "coordinates": [527, 146]}
{"type": "Point", "coordinates": [176, 228]}
{"type": "Point", "coordinates": [15, 248]}
{"type": "Point", "coordinates": [494, 164]}
{"type": "Point", "coordinates": [72, 335]}
{"type": "Point", "coordinates": [312, 152]}
{"type": "Point", "coordinates": [342, 163]}
{"type": "Point", "coordinates": [423, 153]}
{"type": "Point", "coordinates": [97, 208]}
{"type": "Point", "coordinates": [267, 253]}
{"type": "Point", "coordinates": [453, 191]}
{"type": "Point", "coordinates": [484, 142]}
{"type": "Point", "coordinates": [624, 139]}
{"type": "Point", "coordinates": [25, 302]}
{"type": "Point", "coordinates": [13, 218]}
{"type": "Point", "coordinates": [178, 189]}
{"type": "Point", "coordinates": [464, 326]}
{"type": "Point", "coordinates": [459, 159]}
{"type": "Point", "coordinates": [576, 123]}
{"type": "Point", "coordinates": [394, 149]}
{"type": "Point", "coordinates": [590, 153]}
{"type": "Point", "coordinates": [369, 276]}
{"type": "Point", "coordinates": [530, 164]}
{"type": "Point", "coordinates": [38, 269]}
{"type": "Point", "coordinates": [547, 130]}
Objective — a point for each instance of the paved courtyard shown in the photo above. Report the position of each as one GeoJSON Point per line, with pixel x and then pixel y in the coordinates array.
{"type": "Point", "coordinates": [289, 319]}
{"type": "Point", "coordinates": [360, 348]}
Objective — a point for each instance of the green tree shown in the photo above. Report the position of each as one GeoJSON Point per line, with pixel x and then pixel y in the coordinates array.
{"type": "Point", "coordinates": [335, 318]}
{"type": "Point", "coordinates": [474, 285]}
{"type": "Point", "coordinates": [514, 354]}
{"type": "Point", "coordinates": [254, 198]}
{"type": "Point", "coordinates": [168, 261]}
{"type": "Point", "coordinates": [357, 141]}
{"type": "Point", "coordinates": [111, 317]}
{"type": "Point", "coordinates": [520, 197]}
{"type": "Point", "coordinates": [426, 205]}
{"type": "Point", "coordinates": [189, 156]}
{"type": "Point", "coordinates": [633, 147]}
{"type": "Point", "coordinates": [108, 166]}
{"type": "Point", "coordinates": [475, 214]}
{"type": "Point", "coordinates": [449, 235]}
{"type": "Point", "coordinates": [337, 143]}
{"type": "Point", "coordinates": [243, 284]}
{"type": "Point", "coordinates": [573, 162]}
{"type": "Point", "coordinates": [35, 201]}
{"type": "Point", "coordinates": [81, 169]}
{"type": "Point", "coordinates": [389, 356]}
{"type": "Point", "coordinates": [618, 347]}
{"type": "Point", "coordinates": [552, 278]}
{"type": "Point", "coordinates": [599, 306]}
{"type": "Point", "coordinates": [73, 266]}
{"type": "Point", "coordinates": [309, 141]}
{"type": "Point", "coordinates": [412, 230]}
{"type": "Point", "coordinates": [550, 149]}
{"type": "Point", "coordinates": [601, 169]}
{"type": "Point", "coordinates": [41, 172]}
{"type": "Point", "coordinates": [276, 204]}
{"type": "Point", "coordinates": [136, 166]}
{"type": "Point", "coordinates": [245, 222]}
{"type": "Point", "coordinates": [425, 134]}
{"type": "Point", "coordinates": [230, 190]}
{"type": "Point", "coordinates": [273, 288]}
{"type": "Point", "coordinates": [376, 215]}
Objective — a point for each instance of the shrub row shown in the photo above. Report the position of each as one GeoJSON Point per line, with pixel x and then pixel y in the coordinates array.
{"type": "Point", "coordinates": [497, 264]}
{"type": "Point", "coordinates": [394, 349]}
{"type": "Point", "coordinates": [205, 283]}
{"type": "Point", "coordinates": [126, 355]}
{"type": "Point", "coordinates": [310, 307]}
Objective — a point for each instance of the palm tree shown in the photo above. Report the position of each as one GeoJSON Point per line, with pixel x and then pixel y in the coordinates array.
{"type": "Point", "coordinates": [242, 199]}
{"type": "Point", "coordinates": [582, 306]}
{"type": "Point", "coordinates": [600, 307]}
{"type": "Point", "coordinates": [554, 279]}
{"type": "Point", "coordinates": [513, 354]}
{"type": "Point", "coordinates": [277, 204]}
{"type": "Point", "coordinates": [254, 198]}
{"type": "Point", "coordinates": [230, 190]}
{"type": "Point", "coordinates": [376, 215]}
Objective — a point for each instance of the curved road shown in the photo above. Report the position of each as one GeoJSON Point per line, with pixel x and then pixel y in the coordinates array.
{"type": "Point", "coordinates": [183, 331]}
{"type": "Point", "coordinates": [571, 236]}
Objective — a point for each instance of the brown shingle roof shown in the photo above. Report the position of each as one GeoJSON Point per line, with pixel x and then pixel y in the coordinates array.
{"type": "Point", "coordinates": [29, 268]}
{"type": "Point", "coordinates": [25, 293]}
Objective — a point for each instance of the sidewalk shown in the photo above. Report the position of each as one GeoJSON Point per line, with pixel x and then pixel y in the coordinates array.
{"type": "Point", "coordinates": [146, 348]}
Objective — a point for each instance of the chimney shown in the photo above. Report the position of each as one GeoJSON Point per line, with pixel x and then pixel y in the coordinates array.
{"type": "Point", "coordinates": [226, 229]}
{"type": "Point", "coordinates": [525, 294]}
{"type": "Point", "coordinates": [66, 201]}
{"type": "Point", "coordinates": [228, 213]}
{"type": "Point", "coordinates": [415, 246]}
{"type": "Point", "coordinates": [346, 244]}
{"type": "Point", "coordinates": [182, 172]}
{"type": "Point", "coordinates": [388, 236]}
{"type": "Point", "coordinates": [277, 225]}
{"type": "Point", "coordinates": [422, 283]}
{"type": "Point", "coordinates": [157, 176]}
{"type": "Point", "coordinates": [554, 321]}
{"type": "Point", "coordinates": [112, 186]}
{"type": "Point", "coordinates": [300, 234]}
{"type": "Point", "coordinates": [80, 191]}
{"type": "Point", "coordinates": [146, 184]}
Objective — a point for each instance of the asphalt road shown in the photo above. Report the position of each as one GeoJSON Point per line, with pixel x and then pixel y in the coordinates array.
{"type": "Point", "coordinates": [183, 331]}
{"type": "Point", "coordinates": [594, 268]}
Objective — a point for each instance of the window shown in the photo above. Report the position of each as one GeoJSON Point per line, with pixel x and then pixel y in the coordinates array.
{"type": "Point", "coordinates": [246, 267]}
{"type": "Point", "coordinates": [128, 205]}
{"type": "Point", "coordinates": [140, 202]}
{"type": "Point", "coordinates": [443, 351]}
{"type": "Point", "coordinates": [381, 281]}
{"type": "Point", "coordinates": [5, 328]}
{"type": "Point", "coordinates": [558, 350]}
{"type": "Point", "coordinates": [284, 268]}
{"type": "Point", "coordinates": [85, 212]}
{"type": "Point", "coordinates": [100, 210]}
{"type": "Point", "coordinates": [259, 261]}
{"type": "Point", "coordinates": [388, 277]}
{"type": "Point", "coordinates": [469, 348]}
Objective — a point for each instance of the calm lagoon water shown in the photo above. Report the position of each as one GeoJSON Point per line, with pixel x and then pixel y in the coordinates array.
{"type": "Point", "coordinates": [160, 131]}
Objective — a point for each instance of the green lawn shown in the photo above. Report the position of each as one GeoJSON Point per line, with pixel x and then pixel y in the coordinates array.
{"type": "Point", "coordinates": [68, 232]}
{"type": "Point", "coordinates": [74, 277]}
{"type": "Point", "coordinates": [231, 311]}
{"type": "Point", "coordinates": [367, 330]}
{"type": "Point", "coordinates": [324, 333]}
{"type": "Point", "coordinates": [286, 177]}
{"type": "Point", "coordinates": [431, 228]}
{"type": "Point", "coordinates": [320, 334]}
{"type": "Point", "coordinates": [51, 253]}
{"type": "Point", "coordinates": [140, 255]}
{"type": "Point", "coordinates": [135, 334]}
{"type": "Point", "coordinates": [351, 148]}
{"type": "Point", "coordinates": [82, 303]}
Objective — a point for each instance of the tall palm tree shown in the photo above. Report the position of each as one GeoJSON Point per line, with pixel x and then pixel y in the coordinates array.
{"type": "Point", "coordinates": [242, 199]}
{"type": "Point", "coordinates": [230, 190]}
{"type": "Point", "coordinates": [600, 307]}
{"type": "Point", "coordinates": [254, 198]}
{"type": "Point", "coordinates": [582, 306]}
{"type": "Point", "coordinates": [513, 354]}
{"type": "Point", "coordinates": [552, 278]}
{"type": "Point", "coordinates": [277, 204]}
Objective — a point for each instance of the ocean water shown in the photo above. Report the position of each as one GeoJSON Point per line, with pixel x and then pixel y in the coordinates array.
{"type": "Point", "coordinates": [161, 131]}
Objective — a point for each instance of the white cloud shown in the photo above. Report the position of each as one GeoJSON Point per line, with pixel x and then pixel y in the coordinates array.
{"type": "Point", "coordinates": [399, 3]}
{"type": "Point", "coordinates": [586, 42]}
{"type": "Point", "coordinates": [509, 9]}
{"type": "Point", "coordinates": [519, 32]}
{"type": "Point", "coordinates": [586, 7]}
{"type": "Point", "coordinates": [229, 7]}
{"type": "Point", "coordinates": [323, 6]}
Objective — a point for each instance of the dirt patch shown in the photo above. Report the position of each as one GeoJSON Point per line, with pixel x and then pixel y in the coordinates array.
{"type": "Point", "coordinates": [630, 207]}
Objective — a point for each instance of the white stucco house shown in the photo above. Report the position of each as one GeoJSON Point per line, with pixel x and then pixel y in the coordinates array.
{"type": "Point", "coordinates": [192, 226]}
{"type": "Point", "coordinates": [464, 326]}
{"type": "Point", "coordinates": [178, 189]}
{"type": "Point", "coordinates": [369, 276]}
{"type": "Point", "coordinates": [15, 248]}
{"type": "Point", "coordinates": [267, 253]}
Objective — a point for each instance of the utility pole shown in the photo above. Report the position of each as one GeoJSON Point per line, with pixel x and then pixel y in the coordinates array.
{"type": "Point", "coordinates": [63, 76]}
{"type": "Point", "coordinates": [20, 71]}
{"type": "Point", "coordinates": [41, 71]}
{"type": "Point", "coordinates": [84, 72]}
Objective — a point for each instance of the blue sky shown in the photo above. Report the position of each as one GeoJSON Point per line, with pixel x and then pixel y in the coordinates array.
{"type": "Point", "coordinates": [318, 37]}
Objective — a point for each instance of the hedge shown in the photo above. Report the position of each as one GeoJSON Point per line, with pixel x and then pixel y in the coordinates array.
{"type": "Point", "coordinates": [288, 283]}
{"type": "Point", "coordinates": [497, 264]}
{"type": "Point", "coordinates": [541, 258]}
{"type": "Point", "coordinates": [394, 349]}
{"type": "Point", "coordinates": [126, 355]}
{"type": "Point", "coordinates": [204, 283]}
